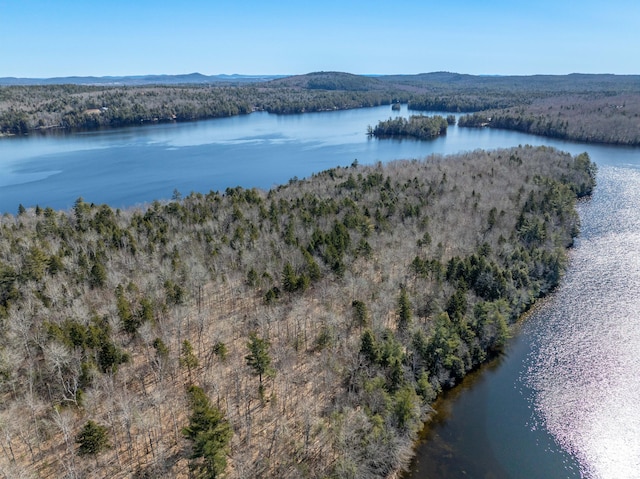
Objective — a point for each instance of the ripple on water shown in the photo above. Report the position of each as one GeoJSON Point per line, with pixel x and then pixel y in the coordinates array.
{"type": "Point", "coordinates": [585, 364]}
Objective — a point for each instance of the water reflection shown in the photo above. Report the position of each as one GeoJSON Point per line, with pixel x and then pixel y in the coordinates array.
{"type": "Point", "coordinates": [585, 366]}
{"type": "Point", "coordinates": [572, 378]}
{"type": "Point", "coordinates": [564, 402]}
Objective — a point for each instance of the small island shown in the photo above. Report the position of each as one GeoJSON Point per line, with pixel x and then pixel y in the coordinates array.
{"type": "Point", "coordinates": [419, 127]}
{"type": "Point", "coordinates": [588, 108]}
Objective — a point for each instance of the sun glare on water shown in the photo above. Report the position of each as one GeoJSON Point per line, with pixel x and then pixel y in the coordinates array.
{"type": "Point", "coordinates": [586, 366]}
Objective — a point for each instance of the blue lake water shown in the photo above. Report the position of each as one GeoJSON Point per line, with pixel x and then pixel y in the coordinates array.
{"type": "Point", "coordinates": [562, 403]}
{"type": "Point", "coordinates": [140, 164]}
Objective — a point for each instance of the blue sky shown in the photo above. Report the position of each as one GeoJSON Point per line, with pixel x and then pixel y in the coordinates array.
{"type": "Point", "coordinates": [61, 38]}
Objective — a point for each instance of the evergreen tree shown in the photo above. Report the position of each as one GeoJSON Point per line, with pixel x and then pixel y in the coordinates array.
{"type": "Point", "coordinates": [129, 324]}
{"type": "Point", "coordinates": [360, 313]}
{"type": "Point", "coordinates": [404, 310]}
{"type": "Point", "coordinates": [110, 356]}
{"type": "Point", "coordinates": [457, 304]}
{"type": "Point", "coordinates": [368, 347]}
{"type": "Point", "coordinates": [210, 433]}
{"type": "Point", "coordinates": [92, 439]}
{"type": "Point", "coordinates": [258, 358]}
{"type": "Point", "coordinates": [188, 358]}
{"type": "Point", "coordinates": [220, 350]}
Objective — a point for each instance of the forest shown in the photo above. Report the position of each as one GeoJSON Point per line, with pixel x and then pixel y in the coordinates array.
{"type": "Point", "coordinates": [54, 108]}
{"type": "Point", "coordinates": [613, 119]}
{"type": "Point", "coordinates": [302, 331]}
{"type": "Point", "coordinates": [589, 108]}
{"type": "Point", "coordinates": [417, 126]}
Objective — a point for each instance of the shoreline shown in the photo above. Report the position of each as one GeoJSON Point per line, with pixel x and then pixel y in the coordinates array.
{"type": "Point", "coordinates": [370, 354]}
{"type": "Point", "coordinates": [90, 127]}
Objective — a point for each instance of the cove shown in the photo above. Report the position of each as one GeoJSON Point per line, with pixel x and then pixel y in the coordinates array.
{"type": "Point", "coordinates": [560, 403]}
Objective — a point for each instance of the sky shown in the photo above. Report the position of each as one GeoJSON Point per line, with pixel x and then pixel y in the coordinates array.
{"type": "Point", "coordinates": [52, 38]}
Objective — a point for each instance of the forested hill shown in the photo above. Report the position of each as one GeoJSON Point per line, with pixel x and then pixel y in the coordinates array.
{"type": "Point", "coordinates": [572, 83]}
{"type": "Point", "coordinates": [299, 332]}
{"type": "Point", "coordinates": [187, 79]}
{"type": "Point", "coordinates": [332, 81]}
{"type": "Point", "coordinates": [594, 108]}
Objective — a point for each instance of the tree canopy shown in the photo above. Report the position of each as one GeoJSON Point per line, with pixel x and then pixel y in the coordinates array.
{"type": "Point", "coordinates": [209, 433]}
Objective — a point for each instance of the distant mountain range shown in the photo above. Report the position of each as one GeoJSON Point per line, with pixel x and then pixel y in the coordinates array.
{"type": "Point", "coordinates": [188, 79]}
{"type": "Point", "coordinates": [331, 80]}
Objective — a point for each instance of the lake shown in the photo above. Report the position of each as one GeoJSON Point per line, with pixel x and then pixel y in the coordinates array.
{"type": "Point", "coordinates": [561, 403]}
{"type": "Point", "coordinates": [129, 166]}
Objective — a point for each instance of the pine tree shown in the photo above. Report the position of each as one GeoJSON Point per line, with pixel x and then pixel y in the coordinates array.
{"type": "Point", "coordinates": [360, 313]}
{"type": "Point", "coordinates": [92, 439]}
{"type": "Point", "coordinates": [258, 358]}
{"type": "Point", "coordinates": [210, 433]}
{"type": "Point", "coordinates": [188, 358]}
{"type": "Point", "coordinates": [289, 279]}
{"type": "Point", "coordinates": [404, 310]}
{"type": "Point", "coordinates": [368, 347]}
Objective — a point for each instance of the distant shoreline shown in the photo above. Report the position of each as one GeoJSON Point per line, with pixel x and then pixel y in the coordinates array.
{"type": "Point", "coordinates": [587, 108]}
